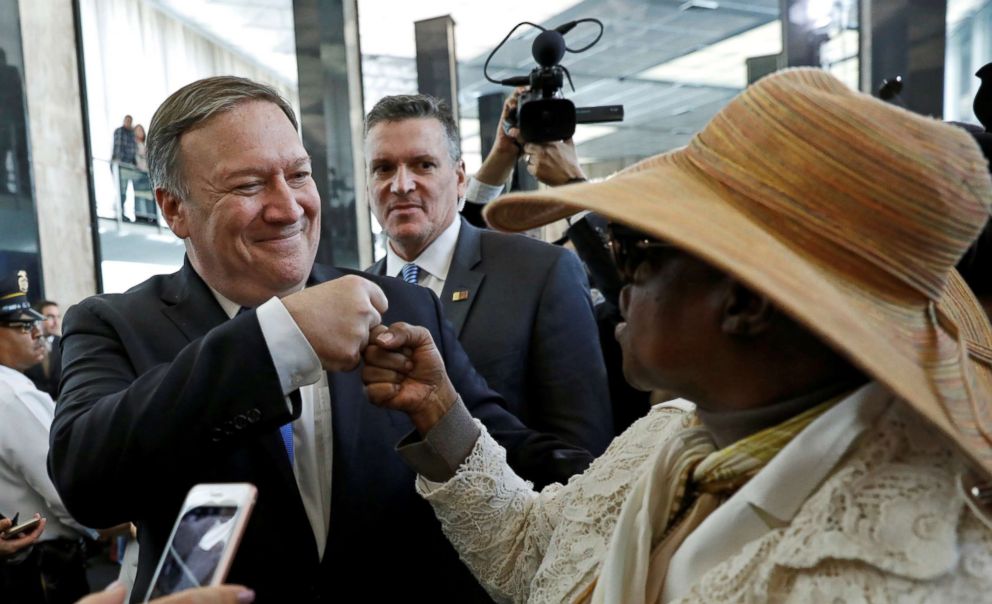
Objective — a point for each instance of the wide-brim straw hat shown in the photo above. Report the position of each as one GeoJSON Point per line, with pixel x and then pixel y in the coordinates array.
{"type": "Point", "coordinates": [847, 212]}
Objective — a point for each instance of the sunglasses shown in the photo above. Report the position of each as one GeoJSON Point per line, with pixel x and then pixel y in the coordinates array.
{"type": "Point", "coordinates": [631, 248]}
{"type": "Point", "coordinates": [24, 326]}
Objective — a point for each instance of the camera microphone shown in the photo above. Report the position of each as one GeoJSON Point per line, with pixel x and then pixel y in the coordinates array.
{"type": "Point", "coordinates": [548, 48]}
{"type": "Point", "coordinates": [542, 113]}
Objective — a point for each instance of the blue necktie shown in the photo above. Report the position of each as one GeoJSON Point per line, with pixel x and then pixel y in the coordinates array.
{"type": "Point", "coordinates": [287, 439]}
{"type": "Point", "coordinates": [411, 273]}
{"type": "Point", "coordinates": [286, 430]}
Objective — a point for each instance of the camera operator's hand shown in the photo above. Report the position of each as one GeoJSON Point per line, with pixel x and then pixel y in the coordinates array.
{"type": "Point", "coordinates": [554, 164]}
{"type": "Point", "coordinates": [506, 149]}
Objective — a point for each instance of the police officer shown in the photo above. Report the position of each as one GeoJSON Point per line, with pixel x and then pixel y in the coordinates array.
{"type": "Point", "coordinates": [54, 570]}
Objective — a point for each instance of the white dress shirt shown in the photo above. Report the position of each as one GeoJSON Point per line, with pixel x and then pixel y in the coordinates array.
{"type": "Point", "coordinates": [298, 367]}
{"type": "Point", "coordinates": [772, 498]}
{"type": "Point", "coordinates": [26, 415]}
{"type": "Point", "coordinates": [434, 261]}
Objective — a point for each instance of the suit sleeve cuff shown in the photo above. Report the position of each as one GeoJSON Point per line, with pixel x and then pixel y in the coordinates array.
{"type": "Point", "coordinates": [438, 455]}
{"type": "Point", "coordinates": [481, 193]}
{"type": "Point", "coordinates": [295, 361]}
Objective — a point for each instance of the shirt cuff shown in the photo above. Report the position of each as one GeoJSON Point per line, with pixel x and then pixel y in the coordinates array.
{"type": "Point", "coordinates": [438, 455]}
{"type": "Point", "coordinates": [481, 193]}
{"type": "Point", "coordinates": [295, 361]}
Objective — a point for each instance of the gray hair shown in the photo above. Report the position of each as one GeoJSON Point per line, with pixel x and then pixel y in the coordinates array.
{"type": "Point", "coordinates": [412, 106]}
{"type": "Point", "coordinates": [189, 106]}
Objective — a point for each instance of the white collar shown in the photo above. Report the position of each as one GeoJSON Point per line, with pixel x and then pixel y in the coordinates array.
{"type": "Point", "coordinates": [782, 486]}
{"type": "Point", "coordinates": [436, 257]}
{"type": "Point", "coordinates": [774, 496]}
{"type": "Point", "coordinates": [229, 307]}
{"type": "Point", "coordinates": [17, 376]}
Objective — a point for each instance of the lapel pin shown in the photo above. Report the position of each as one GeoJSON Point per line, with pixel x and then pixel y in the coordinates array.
{"type": "Point", "coordinates": [459, 295]}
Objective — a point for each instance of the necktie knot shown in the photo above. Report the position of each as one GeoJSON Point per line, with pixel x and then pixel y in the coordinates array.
{"type": "Point", "coordinates": [411, 273]}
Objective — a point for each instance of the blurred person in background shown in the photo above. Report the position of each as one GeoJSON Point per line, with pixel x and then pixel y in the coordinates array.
{"type": "Point", "coordinates": [48, 372]}
{"type": "Point", "coordinates": [54, 569]}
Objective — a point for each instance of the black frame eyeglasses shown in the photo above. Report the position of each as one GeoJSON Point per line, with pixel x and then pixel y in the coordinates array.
{"type": "Point", "coordinates": [26, 327]}
{"type": "Point", "coordinates": [630, 248]}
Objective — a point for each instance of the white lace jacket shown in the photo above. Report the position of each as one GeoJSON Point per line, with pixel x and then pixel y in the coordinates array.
{"type": "Point", "coordinates": [888, 525]}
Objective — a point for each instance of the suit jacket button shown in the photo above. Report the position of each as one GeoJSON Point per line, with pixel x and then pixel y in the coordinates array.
{"type": "Point", "coordinates": [216, 435]}
{"type": "Point", "coordinates": [240, 421]}
{"type": "Point", "coordinates": [253, 415]}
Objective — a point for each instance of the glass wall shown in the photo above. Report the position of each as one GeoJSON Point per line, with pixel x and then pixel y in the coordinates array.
{"type": "Point", "coordinates": [969, 47]}
{"type": "Point", "coordinates": [19, 248]}
{"type": "Point", "coordinates": [136, 53]}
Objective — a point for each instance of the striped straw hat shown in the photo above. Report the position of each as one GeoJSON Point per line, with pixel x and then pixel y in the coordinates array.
{"type": "Point", "coordinates": [848, 212]}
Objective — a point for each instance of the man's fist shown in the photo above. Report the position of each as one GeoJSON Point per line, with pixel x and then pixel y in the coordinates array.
{"type": "Point", "coordinates": [336, 318]}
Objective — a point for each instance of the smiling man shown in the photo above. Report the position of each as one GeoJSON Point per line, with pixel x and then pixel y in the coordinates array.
{"type": "Point", "coordinates": [240, 368]}
{"type": "Point", "coordinates": [520, 307]}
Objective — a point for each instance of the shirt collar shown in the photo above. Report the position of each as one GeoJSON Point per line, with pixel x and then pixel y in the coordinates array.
{"type": "Point", "coordinates": [12, 374]}
{"type": "Point", "coordinates": [230, 308]}
{"type": "Point", "coordinates": [778, 491]}
{"type": "Point", "coordinates": [436, 257]}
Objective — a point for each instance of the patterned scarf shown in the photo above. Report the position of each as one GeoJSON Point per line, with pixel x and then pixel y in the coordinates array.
{"type": "Point", "coordinates": [684, 482]}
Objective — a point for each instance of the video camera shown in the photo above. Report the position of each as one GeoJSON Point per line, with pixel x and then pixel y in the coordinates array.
{"type": "Point", "coordinates": [543, 114]}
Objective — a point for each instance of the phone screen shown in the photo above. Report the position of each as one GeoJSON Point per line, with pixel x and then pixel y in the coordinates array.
{"type": "Point", "coordinates": [196, 549]}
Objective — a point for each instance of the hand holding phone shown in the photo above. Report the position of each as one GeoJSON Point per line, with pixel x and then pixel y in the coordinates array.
{"type": "Point", "coordinates": [204, 539]}
{"type": "Point", "coordinates": [22, 528]}
{"type": "Point", "coordinates": [11, 543]}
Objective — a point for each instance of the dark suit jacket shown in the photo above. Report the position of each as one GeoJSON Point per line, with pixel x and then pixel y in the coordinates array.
{"type": "Point", "coordinates": [161, 391]}
{"type": "Point", "coordinates": [528, 328]}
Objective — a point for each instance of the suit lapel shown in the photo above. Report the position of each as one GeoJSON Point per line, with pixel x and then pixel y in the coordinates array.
{"type": "Point", "coordinates": [464, 277]}
{"type": "Point", "coordinates": [190, 304]}
{"type": "Point", "coordinates": [379, 268]}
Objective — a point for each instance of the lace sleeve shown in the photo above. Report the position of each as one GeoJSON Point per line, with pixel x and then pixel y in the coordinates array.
{"type": "Point", "coordinates": [498, 524]}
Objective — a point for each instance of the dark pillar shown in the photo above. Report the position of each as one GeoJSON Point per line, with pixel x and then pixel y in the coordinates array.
{"type": "Point", "coordinates": [329, 67]}
{"type": "Point", "coordinates": [490, 110]}
{"type": "Point", "coordinates": [437, 68]}
{"type": "Point", "coordinates": [906, 38]}
{"type": "Point", "coordinates": [19, 246]}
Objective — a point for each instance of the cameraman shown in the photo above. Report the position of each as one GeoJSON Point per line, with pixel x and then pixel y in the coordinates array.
{"type": "Point", "coordinates": [555, 164]}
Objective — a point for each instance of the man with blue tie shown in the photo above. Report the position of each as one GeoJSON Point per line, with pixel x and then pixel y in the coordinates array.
{"type": "Point", "coordinates": [241, 368]}
{"type": "Point", "coordinates": [520, 307]}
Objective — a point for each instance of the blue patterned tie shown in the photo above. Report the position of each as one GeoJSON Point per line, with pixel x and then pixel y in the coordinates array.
{"type": "Point", "coordinates": [411, 273]}
{"type": "Point", "coordinates": [286, 430]}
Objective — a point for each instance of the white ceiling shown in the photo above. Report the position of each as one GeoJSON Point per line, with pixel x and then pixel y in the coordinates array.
{"type": "Point", "coordinates": [671, 63]}
{"type": "Point", "coordinates": [260, 30]}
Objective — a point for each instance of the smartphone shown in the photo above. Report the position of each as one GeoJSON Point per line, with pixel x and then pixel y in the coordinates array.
{"type": "Point", "coordinates": [20, 529]}
{"type": "Point", "coordinates": [204, 539]}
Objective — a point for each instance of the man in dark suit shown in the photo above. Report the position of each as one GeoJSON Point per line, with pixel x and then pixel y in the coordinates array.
{"type": "Point", "coordinates": [232, 370]}
{"type": "Point", "coordinates": [520, 307]}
